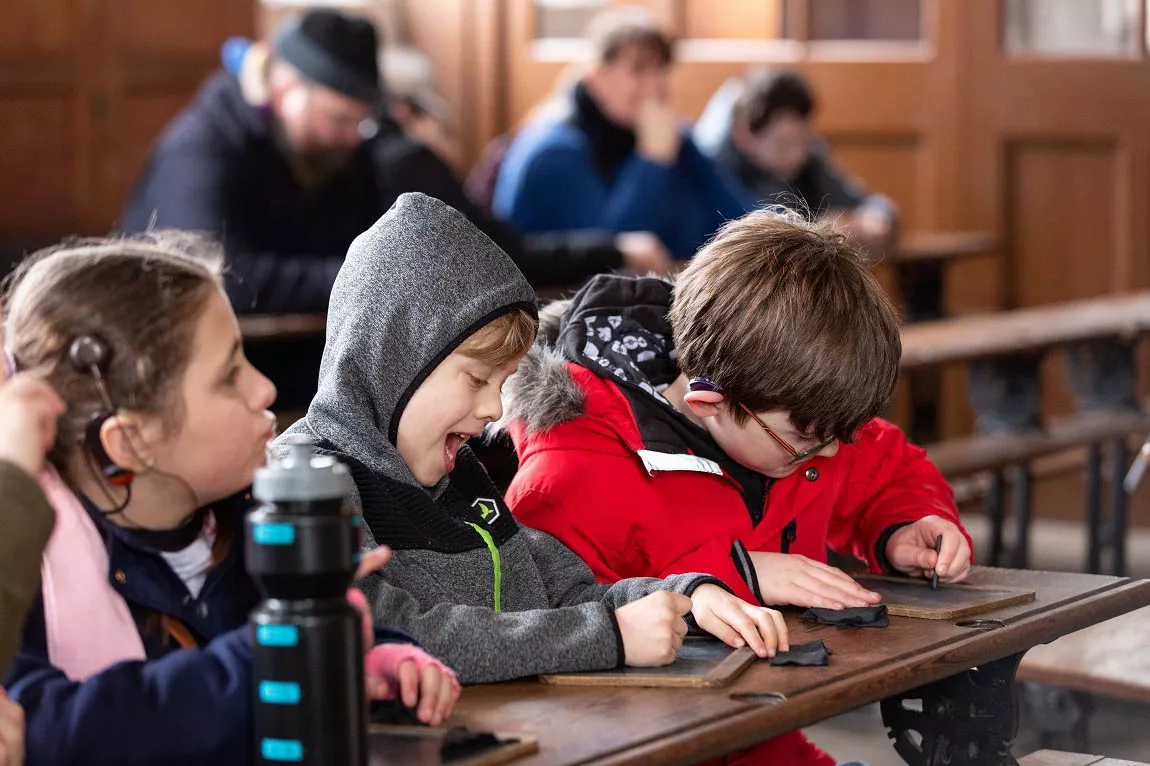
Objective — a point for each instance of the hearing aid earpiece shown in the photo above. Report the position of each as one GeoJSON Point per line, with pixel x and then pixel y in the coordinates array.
{"type": "Point", "coordinates": [89, 355]}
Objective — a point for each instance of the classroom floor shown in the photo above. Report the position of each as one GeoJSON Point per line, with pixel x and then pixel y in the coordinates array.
{"type": "Point", "coordinates": [1056, 546]}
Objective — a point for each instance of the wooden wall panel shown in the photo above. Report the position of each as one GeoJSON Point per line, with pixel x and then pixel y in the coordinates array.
{"type": "Point", "coordinates": [888, 164]}
{"type": "Point", "coordinates": [1060, 208]}
{"type": "Point", "coordinates": [39, 142]}
{"type": "Point", "coordinates": [740, 19]}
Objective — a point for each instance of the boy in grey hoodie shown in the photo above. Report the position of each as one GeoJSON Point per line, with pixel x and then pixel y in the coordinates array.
{"type": "Point", "coordinates": [427, 318]}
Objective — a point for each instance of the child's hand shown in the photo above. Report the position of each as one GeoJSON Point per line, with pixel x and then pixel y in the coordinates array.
{"type": "Point", "coordinates": [29, 408]}
{"type": "Point", "coordinates": [419, 677]}
{"type": "Point", "coordinates": [371, 562]}
{"type": "Point", "coordinates": [653, 628]}
{"type": "Point", "coordinates": [738, 623]}
{"type": "Point", "coordinates": [910, 550]}
{"type": "Point", "coordinates": [791, 579]}
{"type": "Point", "coordinates": [11, 732]}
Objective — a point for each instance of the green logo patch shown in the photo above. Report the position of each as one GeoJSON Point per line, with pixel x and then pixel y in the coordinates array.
{"type": "Point", "coordinates": [488, 509]}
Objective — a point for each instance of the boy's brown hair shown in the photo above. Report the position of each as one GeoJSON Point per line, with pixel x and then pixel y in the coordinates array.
{"type": "Point", "coordinates": [617, 29]}
{"type": "Point", "coordinates": [503, 339]}
{"type": "Point", "coordinates": [782, 314]}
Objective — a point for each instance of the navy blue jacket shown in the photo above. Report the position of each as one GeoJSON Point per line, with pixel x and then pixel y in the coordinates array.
{"type": "Point", "coordinates": [218, 168]}
{"type": "Point", "coordinates": [181, 706]}
{"type": "Point", "coordinates": [555, 177]}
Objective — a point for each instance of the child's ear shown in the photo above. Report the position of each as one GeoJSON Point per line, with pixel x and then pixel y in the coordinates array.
{"type": "Point", "coordinates": [704, 404]}
{"type": "Point", "coordinates": [128, 441]}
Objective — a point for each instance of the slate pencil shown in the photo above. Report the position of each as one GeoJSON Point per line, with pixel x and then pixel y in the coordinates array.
{"type": "Point", "coordinates": [934, 575]}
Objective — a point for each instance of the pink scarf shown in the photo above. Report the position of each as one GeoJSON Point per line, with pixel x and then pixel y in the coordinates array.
{"type": "Point", "coordinates": [88, 625]}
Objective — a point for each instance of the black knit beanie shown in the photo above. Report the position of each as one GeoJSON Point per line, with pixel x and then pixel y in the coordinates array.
{"type": "Point", "coordinates": [333, 50]}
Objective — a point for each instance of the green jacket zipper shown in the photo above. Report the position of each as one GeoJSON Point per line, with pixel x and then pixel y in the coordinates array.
{"type": "Point", "coordinates": [495, 563]}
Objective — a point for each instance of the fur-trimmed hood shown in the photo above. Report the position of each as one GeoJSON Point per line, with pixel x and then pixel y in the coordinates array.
{"type": "Point", "coordinates": [615, 326]}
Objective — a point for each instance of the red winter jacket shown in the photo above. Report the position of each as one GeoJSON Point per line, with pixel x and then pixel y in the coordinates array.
{"type": "Point", "coordinates": [584, 482]}
{"type": "Point", "coordinates": [600, 470]}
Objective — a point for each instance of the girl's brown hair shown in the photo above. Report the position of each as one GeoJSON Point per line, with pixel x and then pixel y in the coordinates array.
{"type": "Point", "coordinates": [142, 296]}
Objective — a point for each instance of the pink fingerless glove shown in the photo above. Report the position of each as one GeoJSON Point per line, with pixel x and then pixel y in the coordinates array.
{"type": "Point", "coordinates": [383, 661]}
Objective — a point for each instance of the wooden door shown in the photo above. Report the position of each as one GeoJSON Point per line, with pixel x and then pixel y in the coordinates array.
{"type": "Point", "coordinates": [47, 77]}
{"type": "Point", "coordinates": [1054, 154]}
{"type": "Point", "coordinates": [85, 87]}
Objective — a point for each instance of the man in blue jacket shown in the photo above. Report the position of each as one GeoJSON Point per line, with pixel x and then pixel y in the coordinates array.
{"type": "Point", "coordinates": [614, 157]}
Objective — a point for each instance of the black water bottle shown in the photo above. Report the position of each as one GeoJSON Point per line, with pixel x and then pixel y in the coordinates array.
{"type": "Point", "coordinates": [302, 548]}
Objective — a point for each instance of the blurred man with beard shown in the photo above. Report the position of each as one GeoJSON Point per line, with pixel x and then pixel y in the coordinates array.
{"type": "Point", "coordinates": [288, 159]}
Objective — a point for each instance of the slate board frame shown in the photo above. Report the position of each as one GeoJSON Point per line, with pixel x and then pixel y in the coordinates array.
{"type": "Point", "coordinates": [1009, 597]}
{"type": "Point", "coordinates": [715, 676]}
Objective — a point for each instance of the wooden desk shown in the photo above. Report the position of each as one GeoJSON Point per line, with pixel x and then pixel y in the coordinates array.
{"type": "Point", "coordinates": [579, 725]}
{"type": "Point", "coordinates": [919, 246]}
{"type": "Point", "coordinates": [1025, 330]}
{"type": "Point", "coordinates": [268, 327]}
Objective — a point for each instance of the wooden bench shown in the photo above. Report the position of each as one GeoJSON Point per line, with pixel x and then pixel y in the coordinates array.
{"type": "Point", "coordinates": [1054, 758]}
{"type": "Point", "coordinates": [1110, 659]}
{"type": "Point", "coordinates": [1003, 352]}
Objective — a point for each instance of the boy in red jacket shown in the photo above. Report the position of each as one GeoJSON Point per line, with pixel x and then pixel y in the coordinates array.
{"type": "Point", "coordinates": [727, 424]}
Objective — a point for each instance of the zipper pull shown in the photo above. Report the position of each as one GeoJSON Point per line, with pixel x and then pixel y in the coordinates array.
{"type": "Point", "coordinates": [789, 534]}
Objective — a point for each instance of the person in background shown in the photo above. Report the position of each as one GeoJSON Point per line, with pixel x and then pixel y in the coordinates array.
{"type": "Point", "coordinates": [288, 172]}
{"type": "Point", "coordinates": [615, 157]}
{"type": "Point", "coordinates": [760, 131]}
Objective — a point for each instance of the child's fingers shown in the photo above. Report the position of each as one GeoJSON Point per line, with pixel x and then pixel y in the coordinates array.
{"type": "Point", "coordinates": [952, 540]}
{"type": "Point", "coordinates": [732, 614]}
{"type": "Point", "coordinates": [372, 561]}
{"type": "Point", "coordinates": [807, 591]}
{"type": "Point", "coordinates": [448, 694]}
{"type": "Point", "coordinates": [429, 693]}
{"type": "Point", "coordinates": [960, 567]}
{"type": "Point", "coordinates": [766, 627]}
{"type": "Point", "coordinates": [359, 601]}
{"type": "Point", "coordinates": [377, 688]}
{"type": "Point", "coordinates": [408, 682]}
{"type": "Point", "coordinates": [720, 630]}
{"type": "Point", "coordinates": [843, 589]}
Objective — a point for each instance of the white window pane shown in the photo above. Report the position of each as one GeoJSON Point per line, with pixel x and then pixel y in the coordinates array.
{"type": "Point", "coordinates": [565, 18]}
{"type": "Point", "coordinates": [1071, 27]}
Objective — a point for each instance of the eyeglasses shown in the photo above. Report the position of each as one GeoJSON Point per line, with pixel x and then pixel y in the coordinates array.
{"type": "Point", "coordinates": [796, 456]}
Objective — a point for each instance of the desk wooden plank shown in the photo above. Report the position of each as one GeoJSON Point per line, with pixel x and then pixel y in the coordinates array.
{"type": "Point", "coordinates": [943, 245]}
{"type": "Point", "coordinates": [1053, 758]}
{"type": "Point", "coordinates": [265, 327]}
{"type": "Point", "coordinates": [1111, 659]}
{"type": "Point", "coordinates": [982, 335]}
{"type": "Point", "coordinates": [577, 725]}
{"type": "Point", "coordinates": [420, 746]}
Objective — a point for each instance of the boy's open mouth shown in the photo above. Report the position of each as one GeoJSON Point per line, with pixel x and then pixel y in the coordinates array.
{"type": "Point", "coordinates": [451, 447]}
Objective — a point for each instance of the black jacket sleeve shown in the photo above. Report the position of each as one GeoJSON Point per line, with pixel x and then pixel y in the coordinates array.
{"type": "Point", "coordinates": [193, 186]}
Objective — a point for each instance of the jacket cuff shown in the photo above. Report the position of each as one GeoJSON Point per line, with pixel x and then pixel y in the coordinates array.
{"type": "Point", "coordinates": [746, 569]}
{"type": "Point", "coordinates": [880, 548]}
{"type": "Point", "coordinates": [702, 579]}
{"type": "Point", "coordinates": [620, 650]}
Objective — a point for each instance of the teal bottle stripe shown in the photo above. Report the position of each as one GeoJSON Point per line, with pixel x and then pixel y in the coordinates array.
{"type": "Point", "coordinates": [274, 533]}
{"type": "Point", "coordinates": [277, 635]}
{"type": "Point", "coordinates": [279, 692]}
{"type": "Point", "coordinates": [283, 750]}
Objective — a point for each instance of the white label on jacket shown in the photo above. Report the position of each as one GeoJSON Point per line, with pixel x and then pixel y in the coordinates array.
{"type": "Point", "coordinates": [664, 461]}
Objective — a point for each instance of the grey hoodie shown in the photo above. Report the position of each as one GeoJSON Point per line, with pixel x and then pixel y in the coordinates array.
{"type": "Point", "coordinates": [491, 598]}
